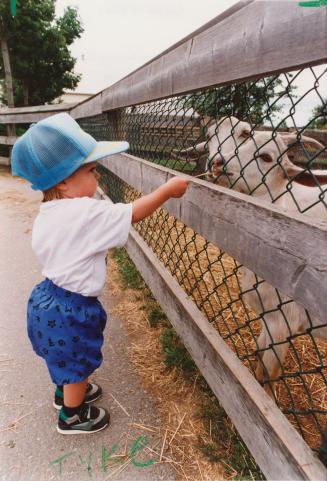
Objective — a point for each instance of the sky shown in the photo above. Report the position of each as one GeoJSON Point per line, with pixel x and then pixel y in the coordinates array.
{"type": "Point", "coordinates": [122, 35]}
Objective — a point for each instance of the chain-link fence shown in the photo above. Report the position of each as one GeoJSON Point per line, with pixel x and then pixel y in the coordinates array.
{"type": "Point", "coordinates": [266, 138]}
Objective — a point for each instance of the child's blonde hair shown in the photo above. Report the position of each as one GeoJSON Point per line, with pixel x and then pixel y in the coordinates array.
{"type": "Point", "coordinates": [52, 194]}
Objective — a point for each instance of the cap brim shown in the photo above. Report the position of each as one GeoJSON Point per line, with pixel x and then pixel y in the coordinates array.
{"type": "Point", "coordinates": [104, 149]}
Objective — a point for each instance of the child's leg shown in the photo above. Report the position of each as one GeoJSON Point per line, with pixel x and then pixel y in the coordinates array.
{"type": "Point", "coordinates": [93, 393]}
{"type": "Point", "coordinates": [74, 393]}
{"type": "Point", "coordinates": [77, 418]}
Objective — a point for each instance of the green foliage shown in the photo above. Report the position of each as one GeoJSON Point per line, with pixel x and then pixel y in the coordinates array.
{"type": "Point", "coordinates": [20, 130]}
{"type": "Point", "coordinates": [249, 101]}
{"type": "Point", "coordinates": [156, 316]}
{"type": "Point", "coordinates": [130, 276]}
{"type": "Point", "coordinates": [319, 116]}
{"type": "Point", "coordinates": [42, 66]}
{"type": "Point", "coordinates": [210, 450]}
{"type": "Point", "coordinates": [235, 455]}
{"type": "Point", "coordinates": [175, 352]}
{"type": "Point", "coordinates": [4, 149]}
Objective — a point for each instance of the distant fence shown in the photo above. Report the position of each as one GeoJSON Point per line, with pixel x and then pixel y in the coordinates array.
{"type": "Point", "coordinates": [241, 277]}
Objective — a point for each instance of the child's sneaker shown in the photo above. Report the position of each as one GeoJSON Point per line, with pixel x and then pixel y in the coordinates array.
{"type": "Point", "coordinates": [90, 419]}
{"type": "Point", "coordinates": [93, 392]}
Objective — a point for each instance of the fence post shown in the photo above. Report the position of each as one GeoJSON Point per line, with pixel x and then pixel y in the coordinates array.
{"type": "Point", "coordinates": [115, 120]}
{"type": "Point", "coordinates": [11, 132]}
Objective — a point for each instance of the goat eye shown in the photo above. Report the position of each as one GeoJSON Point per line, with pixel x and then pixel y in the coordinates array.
{"type": "Point", "coordinates": [266, 157]}
{"type": "Point", "coordinates": [245, 134]}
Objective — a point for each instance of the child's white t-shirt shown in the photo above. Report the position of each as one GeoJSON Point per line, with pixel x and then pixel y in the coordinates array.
{"type": "Point", "coordinates": [71, 238]}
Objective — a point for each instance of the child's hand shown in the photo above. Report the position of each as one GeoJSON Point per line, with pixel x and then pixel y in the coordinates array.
{"type": "Point", "coordinates": [147, 204]}
{"type": "Point", "coordinates": [176, 186]}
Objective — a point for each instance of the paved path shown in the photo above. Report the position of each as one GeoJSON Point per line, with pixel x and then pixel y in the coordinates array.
{"type": "Point", "coordinates": [30, 447]}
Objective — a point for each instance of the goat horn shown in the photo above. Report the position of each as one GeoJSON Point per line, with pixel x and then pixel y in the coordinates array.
{"type": "Point", "coordinates": [288, 138]}
{"type": "Point", "coordinates": [192, 151]}
{"type": "Point", "coordinates": [306, 177]}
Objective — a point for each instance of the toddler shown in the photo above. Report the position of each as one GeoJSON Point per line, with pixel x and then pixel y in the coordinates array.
{"type": "Point", "coordinates": [71, 235]}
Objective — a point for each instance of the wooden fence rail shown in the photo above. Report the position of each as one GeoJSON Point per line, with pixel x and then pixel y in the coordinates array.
{"type": "Point", "coordinates": [7, 140]}
{"type": "Point", "coordinates": [26, 115]}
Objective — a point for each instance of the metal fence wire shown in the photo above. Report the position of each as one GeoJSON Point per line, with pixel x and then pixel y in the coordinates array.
{"type": "Point", "coordinates": [249, 137]}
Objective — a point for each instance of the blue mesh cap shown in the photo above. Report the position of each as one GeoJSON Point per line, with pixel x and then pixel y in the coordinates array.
{"type": "Point", "coordinates": [52, 149]}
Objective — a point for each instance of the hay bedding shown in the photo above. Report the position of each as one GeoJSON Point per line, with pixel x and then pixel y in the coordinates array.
{"type": "Point", "coordinates": [212, 279]}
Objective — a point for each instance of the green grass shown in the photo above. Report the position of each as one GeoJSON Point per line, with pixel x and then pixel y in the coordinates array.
{"type": "Point", "coordinates": [175, 353]}
{"type": "Point", "coordinates": [224, 438]}
{"type": "Point", "coordinates": [130, 276]}
{"type": "Point", "coordinates": [156, 315]}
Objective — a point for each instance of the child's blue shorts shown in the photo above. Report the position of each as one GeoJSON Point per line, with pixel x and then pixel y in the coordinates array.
{"type": "Point", "coordinates": [66, 329]}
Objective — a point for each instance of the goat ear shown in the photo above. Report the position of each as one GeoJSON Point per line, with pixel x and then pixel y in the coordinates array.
{"type": "Point", "coordinates": [206, 119]}
{"type": "Point", "coordinates": [305, 177]}
{"type": "Point", "coordinates": [291, 137]}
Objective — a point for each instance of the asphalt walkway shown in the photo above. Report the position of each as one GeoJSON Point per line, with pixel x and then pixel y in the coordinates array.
{"type": "Point", "coordinates": [31, 449]}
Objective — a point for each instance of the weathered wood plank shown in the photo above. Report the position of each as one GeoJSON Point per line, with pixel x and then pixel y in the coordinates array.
{"type": "Point", "coordinates": [259, 236]}
{"type": "Point", "coordinates": [37, 108]}
{"type": "Point", "coordinates": [87, 108]}
{"type": "Point", "coordinates": [230, 50]}
{"type": "Point", "coordinates": [7, 140]}
{"type": "Point", "coordinates": [4, 161]}
{"type": "Point", "coordinates": [21, 115]}
{"type": "Point", "coordinates": [278, 449]}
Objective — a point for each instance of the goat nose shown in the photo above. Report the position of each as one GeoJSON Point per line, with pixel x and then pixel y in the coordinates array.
{"type": "Point", "coordinates": [218, 160]}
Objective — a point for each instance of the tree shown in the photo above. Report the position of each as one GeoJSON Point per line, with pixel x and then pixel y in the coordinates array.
{"type": "Point", "coordinates": [42, 66]}
{"type": "Point", "coordinates": [252, 101]}
{"type": "Point", "coordinates": [10, 128]}
{"type": "Point", "coordinates": [319, 116]}
{"type": "Point", "coordinates": [7, 71]}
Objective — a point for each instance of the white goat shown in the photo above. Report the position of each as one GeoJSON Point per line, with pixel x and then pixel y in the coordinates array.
{"type": "Point", "coordinates": [261, 166]}
{"type": "Point", "coordinates": [217, 141]}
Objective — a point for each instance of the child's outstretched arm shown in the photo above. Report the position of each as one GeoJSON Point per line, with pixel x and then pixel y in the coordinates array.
{"type": "Point", "coordinates": [146, 205]}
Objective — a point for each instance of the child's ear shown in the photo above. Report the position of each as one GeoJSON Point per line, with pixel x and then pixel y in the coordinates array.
{"type": "Point", "coordinates": [62, 186]}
